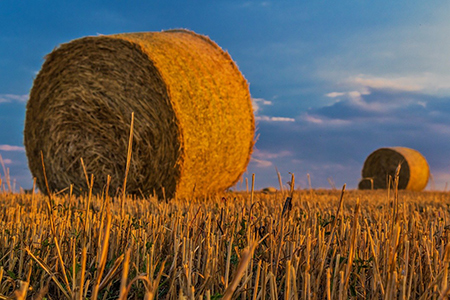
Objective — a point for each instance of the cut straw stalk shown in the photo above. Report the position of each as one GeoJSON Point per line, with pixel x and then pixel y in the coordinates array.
{"type": "Point", "coordinates": [47, 269]}
{"type": "Point", "coordinates": [246, 256]}
{"type": "Point", "coordinates": [83, 272]}
{"type": "Point", "coordinates": [352, 244]}
{"type": "Point", "coordinates": [123, 282]}
{"type": "Point", "coordinates": [127, 168]}
{"type": "Point", "coordinates": [6, 173]}
{"type": "Point", "coordinates": [330, 240]}
{"type": "Point", "coordinates": [21, 293]}
{"type": "Point", "coordinates": [103, 257]}
{"type": "Point", "coordinates": [52, 222]}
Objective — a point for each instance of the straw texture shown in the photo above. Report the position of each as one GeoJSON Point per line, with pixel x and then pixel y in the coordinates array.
{"type": "Point", "coordinates": [194, 124]}
{"type": "Point", "coordinates": [382, 163]}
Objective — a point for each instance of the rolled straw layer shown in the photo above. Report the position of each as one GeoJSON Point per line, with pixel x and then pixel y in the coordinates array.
{"type": "Point", "coordinates": [194, 124]}
{"type": "Point", "coordinates": [382, 163]}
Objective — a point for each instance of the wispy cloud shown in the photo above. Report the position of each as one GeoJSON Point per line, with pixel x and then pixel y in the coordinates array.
{"type": "Point", "coordinates": [379, 98]}
{"type": "Point", "coordinates": [270, 155]}
{"type": "Point", "coordinates": [321, 120]}
{"type": "Point", "coordinates": [108, 15]}
{"type": "Point", "coordinates": [264, 159]}
{"type": "Point", "coordinates": [12, 148]}
{"type": "Point", "coordinates": [255, 3]}
{"type": "Point", "coordinates": [312, 119]}
{"type": "Point", "coordinates": [350, 94]}
{"type": "Point", "coordinates": [7, 161]}
{"type": "Point", "coordinates": [6, 98]}
{"type": "Point", "coordinates": [260, 163]}
{"type": "Point", "coordinates": [274, 119]}
{"type": "Point", "coordinates": [258, 103]}
{"type": "Point", "coordinates": [335, 94]}
{"type": "Point", "coordinates": [408, 84]}
{"type": "Point", "coordinates": [258, 107]}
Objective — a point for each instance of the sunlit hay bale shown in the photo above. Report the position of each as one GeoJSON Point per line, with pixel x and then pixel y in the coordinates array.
{"type": "Point", "coordinates": [194, 124]}
{"type": "Point", "coordinates": [269, 190]}
{"type": "Point", "coordinates": [382, 163]}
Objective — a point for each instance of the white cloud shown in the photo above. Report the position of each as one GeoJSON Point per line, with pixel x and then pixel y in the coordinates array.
{"type": "Point", "coordinates": [271, 155]}
{"type": "Point", "coordinates": [6, 98]}
{"type": "Point", "coordinates": [334, 94]}
{"type": "Point", "coordinates": [362, 87]}
{"type": "Point", "coordinates": [260, 163]}
{"type": "Point", "coordinates": [409, 56]}
{"type": "Point", "coordinates": [274, 119]}
{"type": "Point", "coordinates": [355, 94]}
{"type": "Point", "coordinates": [319, 120]}
{"type": "Point", "coordinates": [311, 119]}
{"type": "Point", "coordinates": [11, 148]}
{"type": "Point", "coordinates": [262, 159]}
{"type": "Point", "coordinates": [258, 102]}
{"type": "Point", "coordinates": [407, 84]}
{"type": "Point", "coordinates": [352, 94]}
{"type": "Point", "coordinates": [422, 103]}
{"type": "Point", "coordinates": [358, 101]}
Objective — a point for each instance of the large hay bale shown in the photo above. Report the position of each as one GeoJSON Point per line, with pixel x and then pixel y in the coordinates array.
{"type": "Point", "coordinates": [194, 124]}
{"type": "Point", "coordinates": [382, 163]}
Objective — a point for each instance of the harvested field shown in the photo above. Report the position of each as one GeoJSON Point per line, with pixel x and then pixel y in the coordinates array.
{"type": "Point", "coordinates": [370, 245]}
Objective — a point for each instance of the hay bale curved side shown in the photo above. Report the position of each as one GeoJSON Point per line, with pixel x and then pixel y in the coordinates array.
{"type": "Point", "coordinates": [382, 163]}
{"type": "Point", "coordinates": [194, 123]}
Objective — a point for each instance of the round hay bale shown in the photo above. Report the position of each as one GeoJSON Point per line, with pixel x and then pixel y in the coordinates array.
{"type": "Point", "coordinates": [382, 163]}
{"type": "Point", "coordinates": [194, 123]}
{"type": "Point", "coordinates": [269, 190]}
{"type": "Point", "coordinates": [366, 184]}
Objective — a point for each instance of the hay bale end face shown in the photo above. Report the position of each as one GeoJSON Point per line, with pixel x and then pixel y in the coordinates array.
{"type": "Point", "coordinates": [382, 163]}
{"type": "Point", "coordinates": [194, 124]}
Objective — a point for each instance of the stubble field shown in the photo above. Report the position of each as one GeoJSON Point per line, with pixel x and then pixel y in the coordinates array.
{"type": "Point", "coordinates": [319, 245]}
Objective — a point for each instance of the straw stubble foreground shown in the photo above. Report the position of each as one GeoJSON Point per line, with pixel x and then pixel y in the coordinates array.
{"type": "Point", "coordinates": [355, 245]}
{"type": "Point", "coordinates": [194, 125]}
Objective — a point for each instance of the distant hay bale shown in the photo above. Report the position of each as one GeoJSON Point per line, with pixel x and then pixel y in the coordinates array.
{"type": "Point", "coordinates": [194, 124]}
{"type": "Point", "coordinates": [382, 163]}
{"type": "Point", "coordinates": [269, 190]}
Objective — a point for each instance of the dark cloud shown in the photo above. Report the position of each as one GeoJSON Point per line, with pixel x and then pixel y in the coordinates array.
{"type": "Point", "coordinates": [333, 141]}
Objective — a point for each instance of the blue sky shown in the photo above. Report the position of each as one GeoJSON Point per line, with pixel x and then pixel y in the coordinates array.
{"type": "Point", "coordinates": [332, 81]}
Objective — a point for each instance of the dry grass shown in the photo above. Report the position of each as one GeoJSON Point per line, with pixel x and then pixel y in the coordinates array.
{"type": "Point", "coordinates": [319, 245]}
